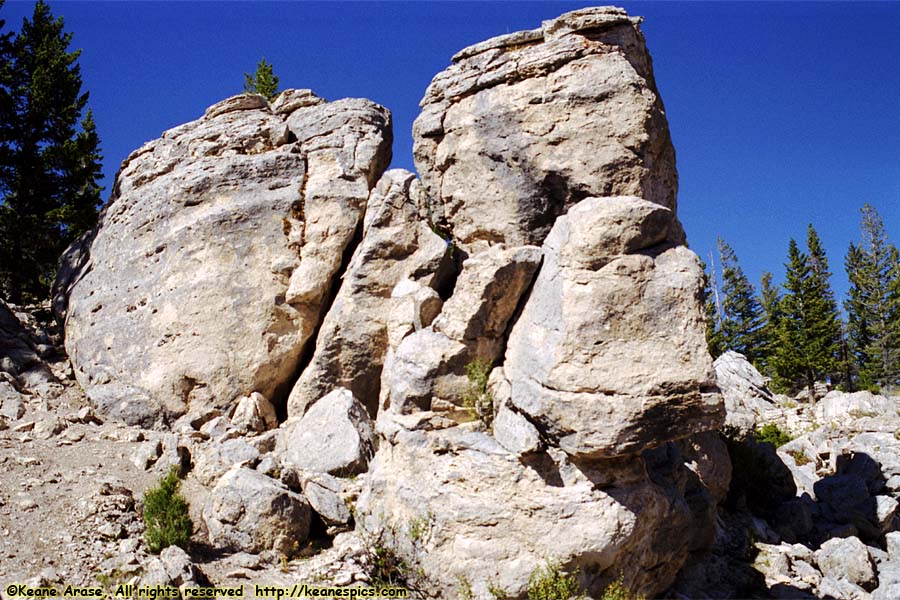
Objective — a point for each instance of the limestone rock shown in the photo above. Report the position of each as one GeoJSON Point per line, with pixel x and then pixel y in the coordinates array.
{"type": "Point", "coordinates": [12, 403]}
{"type": "Point", "coordinates": [236, 225]}
{"type": "Point", "coordinates": [609, 353]}
{"type": "Point", "coordinates": [428, 371]}
{"type": "Point", "coordinates": [251, 512]}
{"type": "Point", "coordinates": [848, 559]}
{"type": "Point", "coordinates": [842, 407]}
{"type": "Point", "coordinates": [324, 494]}
{"type": "Point", "coordinates": [254, 413]}
{"type": "Point", "coordinates": [351, 344]}
{"type": "Point", "coordinates": [335, 436]}
{"type": "Point", "coordinates": [215, 459]}
{"type": "Point", "coordinates": [290, 100]}
{"type": "Point", "coordinates": [481, 513]}
{"type": "Point", "coordinates": [744, 389]}
{"type": "Point", "coordinates": [522, 127]}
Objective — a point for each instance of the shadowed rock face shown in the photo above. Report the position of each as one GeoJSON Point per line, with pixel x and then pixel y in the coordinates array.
{"type": "Point", "coordinates": [213, 260]}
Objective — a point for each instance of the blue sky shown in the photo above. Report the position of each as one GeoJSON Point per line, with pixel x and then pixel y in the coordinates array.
{"type": "Point", "coordinates": [781, 113]}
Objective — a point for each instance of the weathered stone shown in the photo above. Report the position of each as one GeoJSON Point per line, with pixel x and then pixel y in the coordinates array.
{"type": "Point", "coordinates": [744, 389]}
{"type": "Point", "coordinates": [235, 234]}
{"type": "Point", "coordinates": [324, 494]}
{"type": "Point", "coordinates": [146, 454]}
{"type": "Point", "coordinates": [707, 456]}
{"type": "Point", "coordinates": [609, 353]}
{"type": "Point", "coordinates": [429, 366]}
{"type": "Point", "coordinates": [334, 436]}
{"type": "Point", "coordinates": [484, 514]}
{"type": "Point", "coordinates": [892, 541]}
{"type": "Point", "coordinates": [254, 413]}
{"type": "Point", "coordinates": [522, 127]}
{"type": "Point", "coordinates": [290, 100]}
{"type": "Point", "coordinates": [847, 558]}
{"type": "Point", "coordinates": [12, 403]}
{"type": "Point", "coordinates": [514, 432]}
{"type": "Point", "coordinates": [351, 344]}
{"type": "Point", "coordinates": [842, 407]}
{"type": "Point", "coordinates": [251, 512]}
{"type": "Point", "coordinates": [211, 462]}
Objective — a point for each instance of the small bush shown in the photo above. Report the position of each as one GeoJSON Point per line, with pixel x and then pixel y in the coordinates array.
{"type": "Point", "coordinates": [551, 583]}
{"type": "Point", "coordinates": [478, 399]}
{"type": "Point", "coordinates": [772, 434]}
{"type": "Point", "coordinates": [617, 591]}
{"type": "Point", "coordinates": [384, 565]}
{"type": "Point", "coordinates": [799, 457]}
{"type": "Point", "coordinates": [166, 516]}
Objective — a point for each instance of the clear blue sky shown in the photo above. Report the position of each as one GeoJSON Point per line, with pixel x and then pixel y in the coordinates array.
{"type": "Point", "coordinates": [781, 114]}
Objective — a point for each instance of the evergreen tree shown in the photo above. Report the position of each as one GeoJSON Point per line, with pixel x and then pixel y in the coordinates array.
{"type": "Point", "coordinates": [826, 320]}
{"type": "Point", "coordinates": [50, 159]}
{"type": "Point", "coordinates": [263, 82]}
{"type": "Point", "coordinates": [808, 331]}
{"type": "Point", "coordinates": [770, 300]}
{"type": "Point", "coordinates": [742, 318]}
{"type": "Point", "coordinates": [873, 304]}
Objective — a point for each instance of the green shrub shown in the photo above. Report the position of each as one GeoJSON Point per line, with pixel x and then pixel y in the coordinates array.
{"type": "Point", "coordinates": [799, 457]}
{"type": "Point", "coordinates": [772, 434]}
{"type": "Point", "coordinates": [551, 583]}
{"type": "Point", "coordinates": [478, 399]}
{"type": "Point", "coordinates": [166, 516]}
{"type": "Point", "coordinates": [617, 591]}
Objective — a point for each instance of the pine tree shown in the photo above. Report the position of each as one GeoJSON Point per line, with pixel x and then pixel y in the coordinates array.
{"type": "Point", "coordinates": [770, 300]}
{"type": "Point", "coordinates": [826, 320]}
{"type": "Point", "coordinates": [263, 82]}
{"type": "Point", "coordinates": [742, 318]}
{"type": "Point", "coordinates": [873, 305]}
{"type": "Point", "coordinates": [50, 160]}
{"type": "Point", "coordinates": [808, 331]}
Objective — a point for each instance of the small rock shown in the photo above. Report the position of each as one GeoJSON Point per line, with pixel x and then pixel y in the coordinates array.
{"type": "Point", "coordinates": [146, 454]}
{"type": "Point", "coordinates": [892, 543]}
{"type": "Point", "coordinates": [847, 558]}
{"type": "Point", "coordinates": [254, 413]}
{"type": "Point", "coordinates": [885, 512]}
{"type": "Point", "coordinates": [49, 427]}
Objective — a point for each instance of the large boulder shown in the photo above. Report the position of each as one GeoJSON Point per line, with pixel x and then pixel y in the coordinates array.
{"type": "Point", "coordinates": [576, 314]}
{"type": "Point", "coordinates": [609, 356]}
{"type": "Point", "coordinates": [521, 127]}
{"type": "Point", "coordinates": [216, 254]}
{"type": "Point", "coordinates": [458, 507]}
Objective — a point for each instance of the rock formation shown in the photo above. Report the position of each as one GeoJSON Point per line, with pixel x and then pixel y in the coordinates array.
{"type": "Point", "coordinates": [217, 254]}
{"type": "Point", "coordinates": [509, 353]}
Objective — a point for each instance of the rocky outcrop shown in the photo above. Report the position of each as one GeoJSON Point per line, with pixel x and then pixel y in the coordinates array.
{"type": "Point", "coordinates": [217, 253]}
{"type": "Point", "coordinates": [523, 126]}
{"type": "Point", "coordinates": [546, 159]}
{"type": "Point", "coordinates": [509, 353]}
